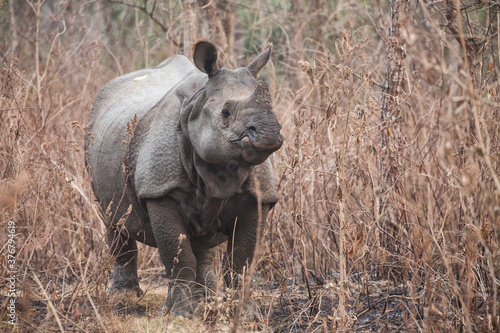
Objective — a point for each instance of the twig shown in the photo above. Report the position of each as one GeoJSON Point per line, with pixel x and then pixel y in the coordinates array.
{"type": "Point", "coordinates": [51, 306]}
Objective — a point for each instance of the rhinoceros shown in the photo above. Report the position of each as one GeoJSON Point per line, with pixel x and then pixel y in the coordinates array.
{"type": "Point", "coordinates": [178, 156]}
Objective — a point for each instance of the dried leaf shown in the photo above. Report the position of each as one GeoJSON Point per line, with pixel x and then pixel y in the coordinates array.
{"type": "Point", "coordinates": [485, 230]}
{"type": "Point", "coordinates": [359, 238]}
{"type": "Point", "coordinates": [339, 55]}
{"type": "Point", "coordinates": [329, 110]}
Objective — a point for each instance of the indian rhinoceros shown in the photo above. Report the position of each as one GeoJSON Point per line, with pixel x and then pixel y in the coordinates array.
{"type": "Point", "coordinates": [178, 157]}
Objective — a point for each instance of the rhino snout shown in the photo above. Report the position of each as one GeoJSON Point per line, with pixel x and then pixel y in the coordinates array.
{"type": "Point", "coordinates": [265, 140]}
{"type": "Point", "coordinates": [258, 146]}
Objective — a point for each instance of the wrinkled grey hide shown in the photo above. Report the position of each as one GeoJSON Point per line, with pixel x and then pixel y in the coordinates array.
{"type": "Point", "coordinates": [195, 165]}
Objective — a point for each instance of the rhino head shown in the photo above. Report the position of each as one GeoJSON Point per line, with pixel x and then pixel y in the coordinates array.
{"type": "Point", "coordinates": [231, 118]}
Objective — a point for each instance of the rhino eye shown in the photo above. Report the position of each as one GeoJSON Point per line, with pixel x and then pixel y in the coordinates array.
{"type": "Point", "coordinates": [226, 113]}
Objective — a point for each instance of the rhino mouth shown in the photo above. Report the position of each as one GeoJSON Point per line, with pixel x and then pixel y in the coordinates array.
{"type": "Point", "coordinates": [255, 152]}
{"type": "Point", "coordinates": [264, 147]}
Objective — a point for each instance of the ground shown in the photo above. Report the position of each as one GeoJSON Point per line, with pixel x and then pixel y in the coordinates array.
{"type": "Point", "coordinates": [277, 307]}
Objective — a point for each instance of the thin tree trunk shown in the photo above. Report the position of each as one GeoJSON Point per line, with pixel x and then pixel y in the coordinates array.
{"type": "Point", "coordinates": [227, 14]}
{"type": "Point", "coordinates": [390, 111]}
{"type": "Point", "coordinates": [190, 27]}
{"type": "Point", "coordinates": [37, 9]}
{"type": "Point", "coordinates": [13, 26]}
{"type": "Point", "coordinates": [218, 25]}
{"type": "Point", "coordinates": [298, 7]}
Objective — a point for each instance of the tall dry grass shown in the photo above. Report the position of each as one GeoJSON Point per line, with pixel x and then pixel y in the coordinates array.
{"type": "Point", "coordinates": [427, 259]}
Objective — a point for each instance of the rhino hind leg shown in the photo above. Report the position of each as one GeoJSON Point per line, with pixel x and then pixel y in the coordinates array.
{"type": "Point", "coordinates": [124, 250]}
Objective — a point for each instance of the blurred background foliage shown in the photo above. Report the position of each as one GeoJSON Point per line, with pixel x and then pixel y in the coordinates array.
{"type": "Point", "coordinates": [389, 209]}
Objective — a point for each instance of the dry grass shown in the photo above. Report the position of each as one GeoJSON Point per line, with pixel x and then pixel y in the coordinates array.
{"type": "Point", "coordinates": [422, 254]}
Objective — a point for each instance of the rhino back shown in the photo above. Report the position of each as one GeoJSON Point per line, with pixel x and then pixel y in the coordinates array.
{"type": "Point", "coordinates": [155, 151]}
{"type": "Point", "coordinates": [116, 104]}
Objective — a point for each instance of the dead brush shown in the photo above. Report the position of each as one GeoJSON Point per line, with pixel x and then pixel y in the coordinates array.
{"type": "Point", "coordinates": [426, 259]}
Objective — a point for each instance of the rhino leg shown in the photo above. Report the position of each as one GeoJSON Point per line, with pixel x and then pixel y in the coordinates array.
{"type": "Point", "coordinates": [124, 249]}
{"type": "Point", "coordinates": [172, 239]}
{"type": "Point", "coordinates": [205, 274]}
{"type": "Point", "coordinates": [244, 217]}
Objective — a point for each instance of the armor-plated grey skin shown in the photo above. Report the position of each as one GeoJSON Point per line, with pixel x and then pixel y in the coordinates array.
{"type": "Point", "coordinates": [196, 164]}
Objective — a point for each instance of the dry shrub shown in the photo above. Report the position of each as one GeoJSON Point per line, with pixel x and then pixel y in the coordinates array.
{"type": "Point", "coordinates": [421, 254]}
{"type": "Point", "coordinates": [436, 239]}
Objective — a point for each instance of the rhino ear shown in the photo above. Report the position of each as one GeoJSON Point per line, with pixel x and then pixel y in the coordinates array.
{"type": "Point", "coordinates": [205, 57]}
{"type": "Point", "coordinates": [259, 62]}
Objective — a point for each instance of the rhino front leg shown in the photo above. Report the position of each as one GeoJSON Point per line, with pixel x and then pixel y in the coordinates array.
{"type": "Point", "coordinates": [124, 249]}
{"type": "Point", "coordinates": [243, 239]}
{"type": "Point", "coordinates": [176, 254]}
{"type": "Point", "coordinates": [205, 274]}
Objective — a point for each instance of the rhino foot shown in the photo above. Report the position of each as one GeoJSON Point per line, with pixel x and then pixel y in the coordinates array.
{"type": "Point", "coordinates": [182, 300]}
{"type": "Point", "coordinates": [248, 309]}
{"type": "Point", "coordinates": [123, 285]}
{"type": "Point", "coordinates": [126, 287]}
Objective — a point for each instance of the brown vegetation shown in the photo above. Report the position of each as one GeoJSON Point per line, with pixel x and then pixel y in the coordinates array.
{"type": "Point", "coordinates": [390, 187]}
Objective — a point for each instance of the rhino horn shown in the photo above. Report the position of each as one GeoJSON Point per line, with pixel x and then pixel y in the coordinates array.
{"type": "Point", "coordinates": [205, 57]}
{"type": "Point", "coordinates": [256, 65]}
